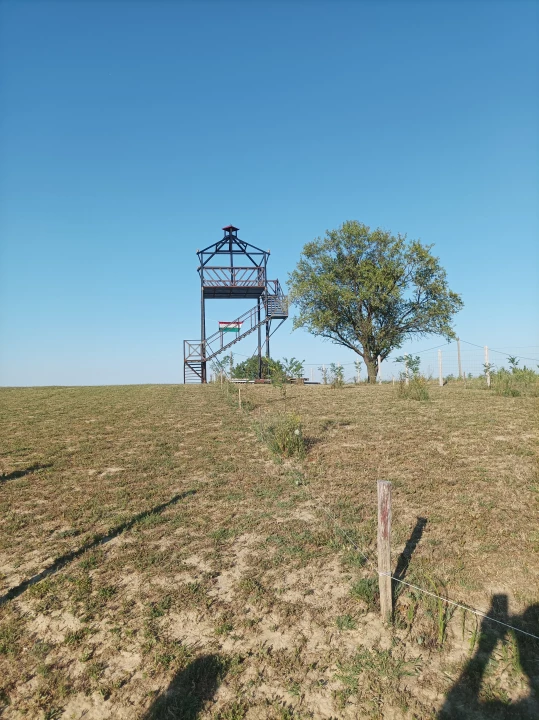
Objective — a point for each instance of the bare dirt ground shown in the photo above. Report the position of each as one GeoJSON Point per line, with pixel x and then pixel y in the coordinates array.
{"type": "Point", "coordinates": [158, 562]}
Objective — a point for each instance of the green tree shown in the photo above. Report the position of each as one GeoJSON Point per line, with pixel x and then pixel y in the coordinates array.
{"type": "Point", "coordinates": [411, 364]}
{"type": "Point", "coordinates": [293, 368]}
{"type": "Point", "coordinates": [371, 291]}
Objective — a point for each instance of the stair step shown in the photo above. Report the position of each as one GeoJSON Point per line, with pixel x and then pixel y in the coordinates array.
{"type": "Point", "coordinates": [192, 373]}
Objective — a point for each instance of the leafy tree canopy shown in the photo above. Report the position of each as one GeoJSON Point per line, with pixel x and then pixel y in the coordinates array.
{"type": "Point", "coordinates": [370, 291]}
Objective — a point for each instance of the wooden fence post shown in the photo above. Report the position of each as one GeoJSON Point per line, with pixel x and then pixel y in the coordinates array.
{"type": "Point", "coordinates": [440, 370]}
{"type": "Point", "coordinates": [384, 548]}
{"type": "Point", "coordinates": [239, 396]}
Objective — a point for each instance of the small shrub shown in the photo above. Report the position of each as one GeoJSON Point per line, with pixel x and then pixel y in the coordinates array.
{"type": "Point", "coordinates": [412, 385]}
{"type": "Point", "coordinates": [283, 434]}
{"type": "Point", "coordinates": [325, 372]}
{"type": "Point", "coordinates": [416, 389]}
{"type": "Point", "coordinates": [336, 376]}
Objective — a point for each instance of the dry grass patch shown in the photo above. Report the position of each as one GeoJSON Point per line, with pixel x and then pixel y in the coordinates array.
{"type": "Point", "coordinates": [158, 558]}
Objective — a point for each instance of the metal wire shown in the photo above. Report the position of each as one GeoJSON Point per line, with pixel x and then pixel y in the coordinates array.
{"type": "Point", "coordinates": [521, 357]}
{"type": "Point", "coordinates": [468, 608]}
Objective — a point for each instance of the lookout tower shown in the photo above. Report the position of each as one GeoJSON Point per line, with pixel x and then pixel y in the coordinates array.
{"type": "Point", "coordinates": [233, 269]}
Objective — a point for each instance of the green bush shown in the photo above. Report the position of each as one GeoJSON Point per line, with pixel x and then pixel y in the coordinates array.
{"type": "Point", "coordinates": [248, 369]}
{"type": "Point", "coordinates": [283, 434]}
{"type": "Point", "coordinates": [416, 389]}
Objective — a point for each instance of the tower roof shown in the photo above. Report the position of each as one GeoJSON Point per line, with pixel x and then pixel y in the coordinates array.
{"type": "Point", "coordinates": [232, 246]}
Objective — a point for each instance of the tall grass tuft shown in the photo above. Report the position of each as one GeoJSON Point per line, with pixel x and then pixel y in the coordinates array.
{"type": "Point", "coordinates": [283, 434]}
{"type": "Point", "coordinates": [416, 389]}
{"type": "Point", "coordinates": [514, 383]}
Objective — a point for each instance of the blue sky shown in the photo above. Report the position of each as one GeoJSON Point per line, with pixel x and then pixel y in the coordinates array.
{"type": "Point", "coordinates": [131, 132]}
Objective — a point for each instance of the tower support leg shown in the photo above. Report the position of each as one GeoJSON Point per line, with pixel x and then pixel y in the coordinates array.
{"type": "Point", "coordinates": [203, 335]}
{"type": "Point", "coordinates": [259, 343]}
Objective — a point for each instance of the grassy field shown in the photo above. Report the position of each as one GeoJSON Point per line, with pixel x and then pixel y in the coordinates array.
{"type": "Point", "coordinates": [158, 560]}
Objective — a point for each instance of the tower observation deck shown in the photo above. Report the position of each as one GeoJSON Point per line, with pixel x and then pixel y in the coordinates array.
{"type": "Point", "coordinates": [233, 269]}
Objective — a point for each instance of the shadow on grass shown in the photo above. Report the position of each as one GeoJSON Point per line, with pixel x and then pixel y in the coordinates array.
{"type": "Point", "coordinates": [21, 473]}
{"type": "Point", "coordinates": [189, 690]}
{"type": "Point", "coordinates": [411, 544]}
{"type": "Point", "coordinates": [64, 560]}
{"type": "Point", "coordinates": [464, 701]}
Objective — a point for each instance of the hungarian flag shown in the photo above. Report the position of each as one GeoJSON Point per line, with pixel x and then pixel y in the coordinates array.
{"type": "Point", "coordinates": [230, 326]}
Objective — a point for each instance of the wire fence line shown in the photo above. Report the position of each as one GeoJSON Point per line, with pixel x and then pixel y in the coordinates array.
{"type": "Point", "coordinates": [447, 360]}
{"type": "Point", "coordinates": [363, 553]}
{"type": "Point", "coordinates": [463, 606]}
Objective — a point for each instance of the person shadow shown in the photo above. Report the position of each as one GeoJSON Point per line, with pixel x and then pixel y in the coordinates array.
{"type": "Point", "coordinates": [465, 701]}
{"type": "Point", "coordinates": [189, 690]}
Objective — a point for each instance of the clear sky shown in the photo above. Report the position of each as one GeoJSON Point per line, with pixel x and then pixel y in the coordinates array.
{"type": "Point", "coordinates": [131, 132]}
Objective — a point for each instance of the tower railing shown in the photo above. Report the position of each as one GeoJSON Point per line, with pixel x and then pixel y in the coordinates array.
{"type": "Point", "coordinates": [193, 350]}
{"type": "Point", "coordinates": [275, 301]}
{"type": "Point", "coordinates": [234, 277]}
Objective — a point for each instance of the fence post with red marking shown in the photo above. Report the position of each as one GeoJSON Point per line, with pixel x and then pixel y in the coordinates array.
{"type": "Point", "coordinates": [384, 549]}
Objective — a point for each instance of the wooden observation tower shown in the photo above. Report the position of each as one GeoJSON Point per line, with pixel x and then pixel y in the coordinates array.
{"type": "Point", "coordinates": [233, 269]}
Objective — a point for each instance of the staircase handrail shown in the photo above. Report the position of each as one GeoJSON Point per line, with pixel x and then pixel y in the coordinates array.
{"type": "Point", "coordinates": [201, 348]}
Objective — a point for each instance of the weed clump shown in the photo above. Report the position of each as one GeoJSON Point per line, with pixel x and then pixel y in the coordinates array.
{"type": "Point", "coordinates": [283, 434]}
{"type": "Point", "coordinates": [416, 389]}
{"type": "Point", "coordinates": [10, 635]}
{"type": "Point", "coordinates": [366, 589]}
{"type": "Point", "coordinates": [379, 670]}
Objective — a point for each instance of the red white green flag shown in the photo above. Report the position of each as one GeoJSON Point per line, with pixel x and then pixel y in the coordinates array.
{"type": "Point", "coordinates": [230, 326]}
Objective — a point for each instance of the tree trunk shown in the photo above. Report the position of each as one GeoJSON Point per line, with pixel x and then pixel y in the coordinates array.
{"type": "Point", "coordinates": [372, 369]}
